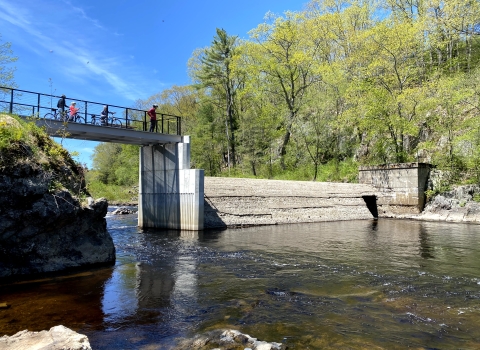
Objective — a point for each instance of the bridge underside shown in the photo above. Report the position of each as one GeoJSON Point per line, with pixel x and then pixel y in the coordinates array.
{"type": "Point", "coordinates": [105, 133]}
{"type": "Point", "coordinates": [171, 195]}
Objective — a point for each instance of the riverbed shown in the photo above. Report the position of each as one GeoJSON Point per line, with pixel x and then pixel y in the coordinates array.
{"type": "Point", "coordinates": [364, 284]}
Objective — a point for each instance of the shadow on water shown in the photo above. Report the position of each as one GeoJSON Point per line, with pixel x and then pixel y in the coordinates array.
{"type": "Point", "coordinates": [426, 249]}
{"type": "Point", "coordinates": [359, 284]}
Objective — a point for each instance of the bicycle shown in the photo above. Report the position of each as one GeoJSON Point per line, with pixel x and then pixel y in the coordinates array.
{"type": "Point", "coordinates": [76, 118]}
{"type": "Point", "coordinates": [56, 115]}
{"type": "Point", "coordinates": [110, 121]}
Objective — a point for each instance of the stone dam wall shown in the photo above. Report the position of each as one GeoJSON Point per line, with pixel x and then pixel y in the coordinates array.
{"type": "Point", "coordinates": [235, 202]}
{"type": "Point", "coordinates": [393, 191]}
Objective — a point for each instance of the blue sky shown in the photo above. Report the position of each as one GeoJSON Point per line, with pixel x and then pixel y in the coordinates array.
{"type": "Point", "coordinates": [118, 51]}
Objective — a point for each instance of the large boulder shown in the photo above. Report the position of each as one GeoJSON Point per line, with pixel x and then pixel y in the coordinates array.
{"type": "Point", "coordinates": [57, 338]}
{"type": "Point", "coordinates": [47, 223]}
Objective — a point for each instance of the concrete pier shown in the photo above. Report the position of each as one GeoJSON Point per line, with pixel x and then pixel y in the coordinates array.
{"type": "Point", "coordinates": [170, 193]}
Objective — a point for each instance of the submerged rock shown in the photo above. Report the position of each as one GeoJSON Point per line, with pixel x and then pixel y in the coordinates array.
{"type": "Point", "coordinates": [123, 211]}
{"type": "Point", "coordinates": [222, 339]}
{"type": "Point", "coordinates": [57, 338]}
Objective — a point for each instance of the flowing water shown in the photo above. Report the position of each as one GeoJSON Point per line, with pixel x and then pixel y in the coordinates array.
{"type": "Point", "coordinates": [386, 284]}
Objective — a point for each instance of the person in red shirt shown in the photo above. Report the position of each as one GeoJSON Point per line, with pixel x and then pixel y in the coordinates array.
{"type": "Point", "coordinates": [73, 111]}
{"type": "Point", "coordinates": [153, 117]}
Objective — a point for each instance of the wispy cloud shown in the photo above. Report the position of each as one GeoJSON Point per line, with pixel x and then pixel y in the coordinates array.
{"type": "Point", "coordinates": [82, 57]}
{"type": "Point", "coordinates": [84, 15]}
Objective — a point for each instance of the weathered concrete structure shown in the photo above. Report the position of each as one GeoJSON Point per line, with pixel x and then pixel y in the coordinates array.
{"type": "Point", "coordinates": [237, 202]}
{"type": "Point", "coordinates": [402, 186]}
{"type": "Point", "coordinates": [171, 195]}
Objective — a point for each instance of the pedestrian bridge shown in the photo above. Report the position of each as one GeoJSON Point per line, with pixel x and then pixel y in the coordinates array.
{"type": "Point", "coordinates": [171, 194]}
{"type": "Point", "coordinates": [99, 133]}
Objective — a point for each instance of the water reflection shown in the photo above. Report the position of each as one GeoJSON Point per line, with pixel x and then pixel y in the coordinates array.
{"type": "Point", "coordinates": [361, 284]}
{"type": "Point", "coordinates": [74, 300]}
{"type": "Point", "coordinates": [426, 250]}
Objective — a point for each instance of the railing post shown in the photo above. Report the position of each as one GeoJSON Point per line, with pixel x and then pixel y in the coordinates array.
{"type": "Point", "coordinates": [126, 118]}
{"type": "Point", "coordinates": [86, 106]}
{"type": "Point", "coordinates": [162, 122]}
{"type": "Point", "coordinates": [179, 126]}
{"type": "Point", "coordinates": [11, 102]}
{"type": "Point", "coordinates": [38, 106]}
{"type": "Point", "coordinates": [145, 121]}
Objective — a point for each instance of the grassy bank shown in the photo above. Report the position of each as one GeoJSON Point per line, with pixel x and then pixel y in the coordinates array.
{"type": "Point", "coordinates": [114, 193]}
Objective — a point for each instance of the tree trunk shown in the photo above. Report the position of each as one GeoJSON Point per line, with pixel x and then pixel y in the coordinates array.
{"type": "Point", "coordinates": [283, 149]}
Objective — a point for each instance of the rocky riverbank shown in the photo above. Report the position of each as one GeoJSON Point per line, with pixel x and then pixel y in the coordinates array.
{"type": "Point", "coordinates": [56, 338]}
{"type": "Point", "coordinates": [47, 222]}
{"type": "Point", "coordinates": [63, 338]}
{"type": "Point", "coordinates": [461, 204]}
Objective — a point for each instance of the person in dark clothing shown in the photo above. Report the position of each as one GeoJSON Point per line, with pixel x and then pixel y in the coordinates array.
{"type": "Point", "coordinates": [153, 117]}
{"type": "Point", "coordinates": [61, 104]}
{"type": "Point", "coordinates": [104, 116]}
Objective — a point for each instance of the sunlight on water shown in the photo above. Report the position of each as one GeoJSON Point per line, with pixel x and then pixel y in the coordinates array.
{"type": "Point", "coordinates": [385, 284]}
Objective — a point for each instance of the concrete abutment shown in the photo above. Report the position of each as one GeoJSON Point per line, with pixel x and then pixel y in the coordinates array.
{"type": "Point", "coordinates": [401, 186]}
{"type": "Point", "coordinates": [171, 195]}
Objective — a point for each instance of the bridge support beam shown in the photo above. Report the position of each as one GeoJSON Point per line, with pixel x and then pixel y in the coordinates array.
{"type": "Point", "coordinates": [171, 195]}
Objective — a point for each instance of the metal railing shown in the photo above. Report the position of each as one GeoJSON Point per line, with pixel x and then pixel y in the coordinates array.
{"type": "Point", "coordinates": [28, 103]}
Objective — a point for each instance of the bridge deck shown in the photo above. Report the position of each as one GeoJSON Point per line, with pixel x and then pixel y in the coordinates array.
{"type": "Point", "coordinates": [105, 133]}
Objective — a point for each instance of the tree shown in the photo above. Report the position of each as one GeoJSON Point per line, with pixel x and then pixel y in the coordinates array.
{"type": "Point", "coordinates": [6, 58]}
{"type": "Point", "coordinates": [389, 90]}
{"type": "Point", "coordinates": [207, 150]}
{"type": "Point", "coordinates": [284, 58]}
{"type": "Point", "coordinates": [215, 74]}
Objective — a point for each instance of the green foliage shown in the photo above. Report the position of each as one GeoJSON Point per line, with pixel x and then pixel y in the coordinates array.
{"type": "Point", "coordinates": [310, 91]}
{"type": "Point", "coordinates": [116, 164]}
{"type": "Point", "coordinates": [24, 143]}
{"type": "Point", "coordinates": [114, 193]}
{"type": "Point", "coordinates": [217, 77]}
{"type": "Point", "coordinates": [443, 186]}
{"type": "Point", "coordinates": [209, 143]}
{"type": "Point", "coordinates": [6, 72]}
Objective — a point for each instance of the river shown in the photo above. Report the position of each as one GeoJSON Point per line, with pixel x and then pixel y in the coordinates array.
{"type": "Point", "coordinates": [386, 284]}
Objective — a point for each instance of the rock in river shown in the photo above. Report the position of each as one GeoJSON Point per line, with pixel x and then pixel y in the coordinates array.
{"type": "Point", "coordinates": [46, 222]}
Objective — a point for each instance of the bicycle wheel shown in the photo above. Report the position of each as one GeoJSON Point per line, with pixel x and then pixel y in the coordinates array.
{"type": "Point", "coordinates": [78, 119]}
{"type": "Point", "coordinates": [116, 123]}
{"type": "Point", "coordinates": [49, 116]}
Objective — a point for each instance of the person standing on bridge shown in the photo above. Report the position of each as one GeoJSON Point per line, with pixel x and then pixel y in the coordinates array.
{"type": "Point", "coordinates": [73, 111]}
{"type": "Point", "coordinates": [152, 112]}
{"type": "Point", "coordinates": [104, 116]}
{"type": "Point", "coordinates": [61, 104]}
